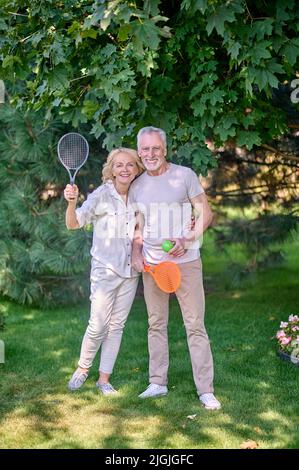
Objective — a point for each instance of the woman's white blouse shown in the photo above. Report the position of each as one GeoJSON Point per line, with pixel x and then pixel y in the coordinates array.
{"type": "Point", "coordinates": [113, 229]}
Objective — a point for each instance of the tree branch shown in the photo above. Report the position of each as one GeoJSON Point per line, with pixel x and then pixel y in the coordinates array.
{"type": "Point", "coordinates": [281, 155]}
{"type": "Point", "coordinates": [16, 14]}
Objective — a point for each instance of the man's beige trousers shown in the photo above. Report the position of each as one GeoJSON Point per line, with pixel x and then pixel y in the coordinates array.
{"type": "Point", "coordinates": [192, 303]}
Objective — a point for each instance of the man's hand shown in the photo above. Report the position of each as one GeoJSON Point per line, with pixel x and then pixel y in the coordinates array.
{"type": "Point", "coordinates": [179, 247]}
{"type": "Point", "coordinates": [71, 193]}
{"type": "Point", "coordinates": [138, 262]}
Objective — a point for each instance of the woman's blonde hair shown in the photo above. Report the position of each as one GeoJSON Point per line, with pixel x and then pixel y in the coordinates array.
{"type": "Point", "coordinates": [107, 173]}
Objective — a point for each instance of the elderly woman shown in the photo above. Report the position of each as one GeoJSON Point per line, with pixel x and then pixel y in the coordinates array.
{"type": "Point", "coordinates": [113, 281]}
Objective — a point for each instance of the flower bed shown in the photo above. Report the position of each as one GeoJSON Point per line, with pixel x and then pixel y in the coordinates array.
{"type": "Point", "coordinates": [288, 339]}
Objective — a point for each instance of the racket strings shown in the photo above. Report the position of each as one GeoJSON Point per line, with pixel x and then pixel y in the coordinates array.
{"type": "Point", "coordinates": [165, 279]}
{"type": "Point", "coordinates": [73, 151]}
{"type": "Point", "coordinates": [167, 276]}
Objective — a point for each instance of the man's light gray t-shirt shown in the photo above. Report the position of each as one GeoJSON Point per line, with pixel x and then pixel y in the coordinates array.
{"type": "Point", "coordinates": [164, 202]}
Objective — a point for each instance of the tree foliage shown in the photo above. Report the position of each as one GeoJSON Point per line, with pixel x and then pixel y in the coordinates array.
{"type": "Point", "coordinates": [197, 68]}
{"type": "Point", "coordinates": [210, 72]}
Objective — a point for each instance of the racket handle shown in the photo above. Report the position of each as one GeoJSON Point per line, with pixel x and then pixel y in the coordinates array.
{"type": "Point", "coordinates": [147, 268]}
{"type": "Point", "coordinates": [72, 177]}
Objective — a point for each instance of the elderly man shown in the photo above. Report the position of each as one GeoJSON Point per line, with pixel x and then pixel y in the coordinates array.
{"type": "Point", "coordinates": [165, 195]}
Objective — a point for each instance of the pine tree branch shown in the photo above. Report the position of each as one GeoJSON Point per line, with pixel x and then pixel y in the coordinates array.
{"type": "Point", "coordinates": [16, 173]}
{"type": "Point", "coordinates": [57, 277]}
{"type": "Point", "coordinates": [30, 129]}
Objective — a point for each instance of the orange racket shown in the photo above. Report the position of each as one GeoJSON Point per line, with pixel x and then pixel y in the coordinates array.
{"type": "Point", "coordinates": [167, 275]}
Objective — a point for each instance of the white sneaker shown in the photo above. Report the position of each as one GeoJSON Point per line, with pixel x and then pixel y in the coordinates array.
{"type": "Point", "coordinates": [154, 390]}
{"type": "Point", "coordinates": [209, 401]}
{"type": "Point", "coordinates": [77, 380]}
{"type": "Point", "coordinates": [106, 389]}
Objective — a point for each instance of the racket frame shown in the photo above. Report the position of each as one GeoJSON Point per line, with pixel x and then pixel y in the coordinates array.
{"type": "Point", "coordinates": [151, 270]}
{"type": "Point", "coordinates": [72, 177]}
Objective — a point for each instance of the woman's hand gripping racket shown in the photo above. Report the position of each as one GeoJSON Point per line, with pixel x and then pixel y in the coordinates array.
{"type": "Point", "coordinates": [73, 150]}
{"type": "Point", "coordinates": [167, 275]}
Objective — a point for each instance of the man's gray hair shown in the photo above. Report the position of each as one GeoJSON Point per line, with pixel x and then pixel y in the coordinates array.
{"type": "Point", "coordinates": [149, 130]}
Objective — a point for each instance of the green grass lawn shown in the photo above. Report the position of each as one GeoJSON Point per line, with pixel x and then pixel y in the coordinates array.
{"type": "Point", "coordinates": [258, 391]}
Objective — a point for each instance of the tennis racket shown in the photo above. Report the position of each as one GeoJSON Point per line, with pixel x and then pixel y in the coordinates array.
{"type": "Point", "coordinates": [72, 150]}
{"type": "Point", "coordinates": [167, 275]}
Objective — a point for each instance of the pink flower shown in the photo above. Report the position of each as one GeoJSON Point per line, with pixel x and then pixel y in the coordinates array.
{"type": "Point", "coordinates": [286, 340]}
{"type": "Point", "coordinates": [280, 334]}
{"type": "Point", "coordinates": [287, 337]}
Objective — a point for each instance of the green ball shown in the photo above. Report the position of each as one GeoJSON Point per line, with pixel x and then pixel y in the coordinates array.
{"type": "Point", "coordinates": [167, 245]}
